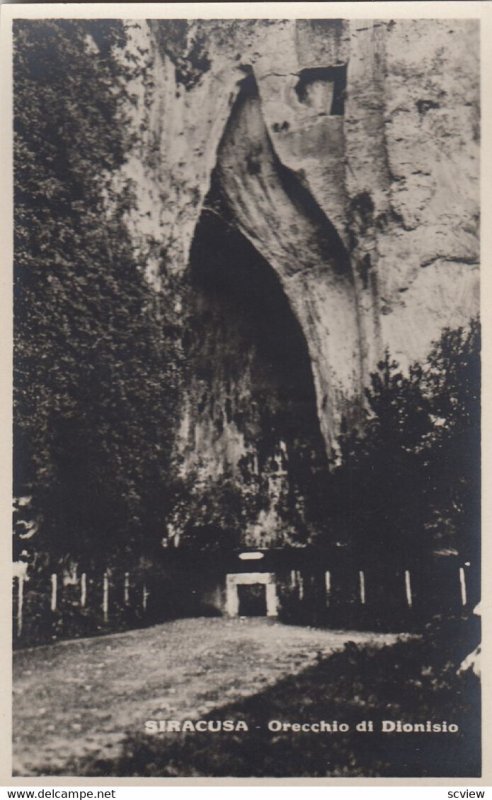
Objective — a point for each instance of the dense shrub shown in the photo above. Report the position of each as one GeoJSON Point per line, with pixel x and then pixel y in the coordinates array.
{"type": "Point", "coordinates": [96, 352]}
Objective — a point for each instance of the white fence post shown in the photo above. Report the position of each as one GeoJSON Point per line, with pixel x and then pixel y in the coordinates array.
{"type": "Point", "coordinates": [327, 587]}
{"type": "Point", "coordinates": [126, 589]}
{"type": "Point", "coordinates": [145, 596]}
{"type": "Point", "coordinates": [464, 598]}
{"type": "Point", "coordinates": [408, 588]}
{"type": "Point", "coordinates": [83, 590]}
{"type": "Point", "coordinates": [362, 587]}
{"type": "Point", "coordinates": [20, 603]}
{"type": "Point", "coordinates": [54, 591]}
{"type": "Point", "coordinates": [105, 602]}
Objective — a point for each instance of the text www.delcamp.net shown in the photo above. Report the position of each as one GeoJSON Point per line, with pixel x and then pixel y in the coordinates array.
{"type": "Point", "coordinates": [60, 794]}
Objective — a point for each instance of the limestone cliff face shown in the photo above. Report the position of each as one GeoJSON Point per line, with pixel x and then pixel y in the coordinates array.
{"type": "Point", "coordinates": [343, 157]}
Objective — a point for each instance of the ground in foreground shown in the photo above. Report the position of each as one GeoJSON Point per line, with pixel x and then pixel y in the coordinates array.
{"type": "Point", "coordinates": [95, 695]}
{"type": "Point", "coordinates": [82, 698]}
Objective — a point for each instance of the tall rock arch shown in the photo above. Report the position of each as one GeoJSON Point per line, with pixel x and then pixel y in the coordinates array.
{"type": "Point", "coordinates": [344, 156]}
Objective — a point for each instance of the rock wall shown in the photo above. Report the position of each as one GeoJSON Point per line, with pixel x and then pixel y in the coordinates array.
{"type": "Point", "coordinates": [346, 153]}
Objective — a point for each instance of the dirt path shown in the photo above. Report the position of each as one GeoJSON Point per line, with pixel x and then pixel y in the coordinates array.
{"type": "Point", "coordinates": [75, 698]}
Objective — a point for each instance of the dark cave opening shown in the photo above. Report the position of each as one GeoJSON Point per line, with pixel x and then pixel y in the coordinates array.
{"type": "Point", "coordinates": [337, 76]}
{"type": "Point", "coordinates": [249, 346]}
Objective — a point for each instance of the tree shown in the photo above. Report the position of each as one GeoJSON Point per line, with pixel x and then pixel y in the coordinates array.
{"type": "Point", "coordinates": [452, 382]}
{"type": "Point", "coordinates": [211, 514]}
{"type": "Point", "coordinates": [96, 352]}
{"type": "Point", "coordinates": [408, 480]}
{"type": "Point", "coordinates": [380, 478]}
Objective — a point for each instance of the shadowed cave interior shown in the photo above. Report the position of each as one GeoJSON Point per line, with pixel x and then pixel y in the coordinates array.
{"type": "Point", "coordinates": [249, 358]}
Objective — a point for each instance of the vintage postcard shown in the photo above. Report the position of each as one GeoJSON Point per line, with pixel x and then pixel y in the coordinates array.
{"type": "Point", "coordinates": [246, 390]}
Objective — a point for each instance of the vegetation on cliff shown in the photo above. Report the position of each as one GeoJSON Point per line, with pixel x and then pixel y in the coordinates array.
{"type": "Point", "coordinates": [95, 354]}
{"type": "Point", "coordinates": [408, 480]}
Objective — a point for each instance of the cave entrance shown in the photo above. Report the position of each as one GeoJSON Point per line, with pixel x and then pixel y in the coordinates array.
{"type": "Point", "coordinates": [252, 600]}
{"type": "Point", "coordinates": [252, 389]}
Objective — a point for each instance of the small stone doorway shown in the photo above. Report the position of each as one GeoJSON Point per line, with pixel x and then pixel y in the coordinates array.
{"type": "Point", "coordinates": [251, 594]}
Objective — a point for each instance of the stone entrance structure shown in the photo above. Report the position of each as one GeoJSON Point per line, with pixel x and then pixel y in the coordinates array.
{"type": "Point", "coordinates": [267, 579]}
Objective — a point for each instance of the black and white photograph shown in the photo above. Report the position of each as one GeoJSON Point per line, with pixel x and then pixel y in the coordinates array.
{"type": "Point", "coordinates": [246, 406]}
